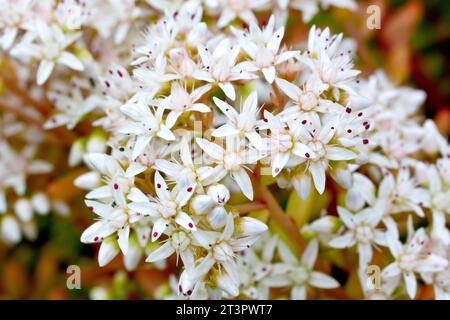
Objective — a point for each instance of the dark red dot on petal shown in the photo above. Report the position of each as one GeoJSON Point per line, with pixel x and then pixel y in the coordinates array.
{"type": "Point", "coordinates": [304, 122]}
{"type": "Point", "coordinates": [91, 208]}
{"type": "Point", "coordinates": [96, 239]}
{"type": "Point", "coordinates": [360, 114]}
{"type": "Point", "coordinates": [365, 141]}
{"type": "Point", "coordinates": [107, 84]}
{"type": "Point", "coordinates": [349, 130]}
{"type": "Point", "coordinates": [189, 189]}
{"type": "Point", "coordinates": [265, 120]}
{"type": "Point", "coordinates": [348, 110]}
{"type": "Point", "coordinates": [307, 155]}
{"type": "Point", "coordinates": [119, 73]}
{"type": "Point", "coordinates": [180, 288]}
{"type": "Point", "coordinates": [190, 225]}
{"type": "Point", "coordinates": [116, 186]}
{"type": "Point", "coordinates": [189, 292]}
{"type": "Point", "coordinates": [155, 234]}
{"type": "Point", "coordinates": [158, 185]}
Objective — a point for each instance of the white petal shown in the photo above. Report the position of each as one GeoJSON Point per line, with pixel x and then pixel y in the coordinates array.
{"type": "Point", "coordinates": [124, 235]}
{"type": "Point", "coordinates": [228, 89]}
{"type": "Point", "coordinates": [290, 89]}
{"type": "Point", "coordinates": [44, 70]}
{"type": "Point", "coordinates": [309, 256]}
{"type": "Point", "coordinates": [298, 293]}
{"type": "Point", "coordinates": [411, 283]}
{"type": "Point", "coordinates": [108, 250]}
{"type": "Point", "coordinates": [161, 187]}
{"type": "Point", "coordinates": [164, 251]}
{"type": "Point", "coordinates": [346, 217]}
{"type": "Point", "coordinates": [243, 180]}
{"type": "Point", "coordinates": [285, 253]}
{"type": "Point", "coordinates": [211, 149]}
{"type": "Point", "coordinates": [184, 220]}
{"type": "Point", "coordinates": [321, 280]}
{"type": "Point", "coordinates": [224, 131]}
{"type": "Point", "coordinates": [318, 174]}
{"type": "Point", "coordinates": [336, 153]}
{"type": "Point", "coordinates": [269, 74]}
{"type": "Point", "coordinates": [69, 60]}
{"type": "Point", "coordinates": [158, 229]}
{"type": "Point", "coordinates": [344, 241]}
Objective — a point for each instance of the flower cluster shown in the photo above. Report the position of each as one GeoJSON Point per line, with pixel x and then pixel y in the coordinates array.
{"type": "Point", "coordinates": [188, 125]}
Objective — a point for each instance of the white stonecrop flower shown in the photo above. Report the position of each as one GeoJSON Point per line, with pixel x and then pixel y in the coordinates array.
{"type": "Point", "coordinates": [49, 49]}
{"type": "Point", "coordinates": [231, 161]}
{"type": "Point", "coordinates": [299, 274]}
{"type": "Point", "coordinates": [144, 125]}
{"type": "Point", "coordinates": [242, 124]}
{"type": "Point", "coordinates": [180, 101]}
{"type": "Point", "coordinates": [263, 47]}
{"type": "Point", "coordinates": [362, 231]}
{"type": "Point", "coordinates": [220, 67]}
{"type": "Point", "coordinates": [167, 208]}
{"type": "Point", "coordinates": [411, 258]}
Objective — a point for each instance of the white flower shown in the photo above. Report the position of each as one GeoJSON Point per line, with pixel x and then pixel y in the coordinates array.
{"type": "Point", "coordinates": [307, 101]}
{"type": "Point", "coordinates": [263, 47]}
{"type": "Point", "coordinates": [167, 208]}
{"type": "Point", "coordinates": [71, 108]}
{"type": "Point", "coordinates": [299, 274]}
{"type": "Point", "coordinates": [220, 67]}
{"type": "Point", "coordinates": [242, 124]}
{"type": "Point", "coordinates": [50, 49]}
{"type": "Point", "coordinates": [232, 160]}
{"type": "Point", "coordinates": [180, 101]}
{"type": "Point", "coordinates": [221, 249]}
{"type": "Point", "coordinates": [285, 142]}
{"type": "Point", "coordinates": [361, 230]}
{"type": "Point", "coordinates": [411, 258]}
{"type": "Point", "coordinates": [232, 9]}
{"type": "Point", "coordinates": [116, 179]}
{"type": "Point", "coordinates": [326, 59]}
{"type": "Point", "coordinates": [144, 125]}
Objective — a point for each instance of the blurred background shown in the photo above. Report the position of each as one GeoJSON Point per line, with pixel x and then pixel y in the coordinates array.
{"type": "Point", "coordinates": [412, 46]}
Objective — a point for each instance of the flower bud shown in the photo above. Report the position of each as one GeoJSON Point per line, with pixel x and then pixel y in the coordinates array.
{"type": "Point", "coordinates": [23, 209]}
{"type": "Point", "coordinates": [10, 230]}
{"type": "Point", "coordinates": [250, 226]}
{"type": "Point", "coordinates": [202, 204]}
{"type": "Point", "coordinates": [326, 224]}
{"type": "Point", "coordinates": [219, 194]}
{"type": "Point", "coordinates": [40, 203]}
{"type": "Point", "coordinates": [226, 283]}
{"type": "Point", "coordinates": [76, 152]}
{"type": "Point", "coordinates": [88, 180]}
